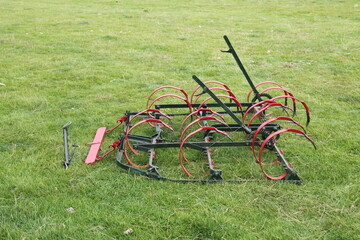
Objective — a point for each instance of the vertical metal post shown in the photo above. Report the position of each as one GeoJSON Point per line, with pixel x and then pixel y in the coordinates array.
{"type": "Point", "coordinates": [66, 146]}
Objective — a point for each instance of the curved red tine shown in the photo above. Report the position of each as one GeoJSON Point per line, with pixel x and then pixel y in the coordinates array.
{"type": "Point", "coordinates": [282, 176]}
{"type": "Point", "coordinates": [286, 92]}
{"type": "Point", "coordinates": [256, 105]}
{"type": "Point", "coordinates": [259, 84]}
{"type": "Point", "coordinates": [141, 122]}
{"type": "Point", "coordinates": [231, 94]}
{"type": "Point", "coordinates": [147, 113]}
{"type": "Point", "coordinates": [172, 95]}
{"type": "Point", "coordinates": [163, 87]}
{"type": "Point", "coordinates": [129, 145]}
{"type": "Point", "coordinates": [261, 110]}
{"type": "Point", "coordinates": [131, 163]}
{"type": "Point", "coordinates": [272, 136]}
{"type": "Point", "coordinates": [138, 114]}
{"type": "Point", "coordinates": [210, 118]}
{"type": "Point", "coordinates": [181, 153]}
{"type": "Point", "coordinates": [151, 110]}
{"type": "Point", "coordinates": [302, 102]}
{"type": "Point", "coordinates": [225, 96]}
{"type": "Point", "coordinates": [197, 111]}
{"type": "Point", "coordinates": [266, 123]}
{"type": "Point", "coordinates": [207, 82]}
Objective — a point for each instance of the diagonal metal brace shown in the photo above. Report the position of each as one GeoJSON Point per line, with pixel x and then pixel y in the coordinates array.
{"type": "Point", "coordinates": [221, 104]}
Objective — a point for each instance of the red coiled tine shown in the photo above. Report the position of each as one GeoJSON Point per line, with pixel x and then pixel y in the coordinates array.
{"type": "Point", "coordinates": [231, 94]}
{"type": "Point", "coordinates": [207, 82]}
{"type": "Point", "coordinates": [171, 95]}
{"type": "Point", "coordinates": [198, 120]}
{"type": "Point", "coordinates": [266, 123]}
{"type": "Point", "coordinates": [197, 112]}
{"type": "Point", "coordinates": [225, 96]}
{"type": "Point", "coordinates": [147, 113]}
{"type": "Point", "coordinates": [259, 84]}
{"type": "Point", "coordinates": [163, 87]}
{"type": "Point", "coordinates": [254, 106]}
{"type": "Point", "coordinates": [302, 102]}
{"type": "Point", "coordinates": [268, 139]}
{"type": "Point", "coordinates": [181, 154]}
{"type": "Point", "coordinates": [286, 92]}
{"type": "Point", "coordinates": [128, 143]}
{"type": "Point", "coordinates": [264, 108]}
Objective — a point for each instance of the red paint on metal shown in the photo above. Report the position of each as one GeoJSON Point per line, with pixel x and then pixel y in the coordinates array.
{"type": "Point", "coordinates": [181, 153]}
{"type": "Point", "coordinates": [302, 102]}
{"type": "Point", "coordinates": [95, 146]}
{"type": "Point", "coordinates": [266, 123]}
{"type": "Point", "coordinates": [120, 121]}
{"type": "Point", "coordinates": [259, 84]}
{"type": "Point", "coordinates": [171, 95]}
{"type": "Point", "coordinates": [238, 104]}
{"type": "Point", "coordinates": [231, 94]}
{"type": "Point", "coordinates": [261, 110]}
{"type": "Point", "coordinates": [210, 118]}
{"type": "Point", "coordinates": [129, 145]}
{"type": "Point", "coordinates": [271, 136]}
{"type": "Point", "coordinates": [162, 87]}
{"type": "Point", "coordinates": [255, 105]}
{"type": "Point", "coordinates": [207, 82]}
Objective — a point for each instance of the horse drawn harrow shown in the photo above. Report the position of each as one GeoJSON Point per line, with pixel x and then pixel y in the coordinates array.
{"type": "Point", "coordinates": [209, 119]}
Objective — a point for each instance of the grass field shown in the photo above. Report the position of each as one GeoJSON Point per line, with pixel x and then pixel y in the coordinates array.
{"type": "Point", "coordinates": [89, 61]}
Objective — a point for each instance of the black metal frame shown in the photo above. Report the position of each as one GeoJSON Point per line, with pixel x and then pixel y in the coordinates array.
{"type": "Point", "coordinates": [146, 144]}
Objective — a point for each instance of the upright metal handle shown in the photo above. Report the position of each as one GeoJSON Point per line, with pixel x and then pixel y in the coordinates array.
{"type": "Point", "coordinates": [67, 156]}
{"type": "Point", "coordinates": [241, 66]}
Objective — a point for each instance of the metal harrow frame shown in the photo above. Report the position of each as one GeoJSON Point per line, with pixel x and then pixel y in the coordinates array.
{"type": "Point", "coordinates": [259, 137]}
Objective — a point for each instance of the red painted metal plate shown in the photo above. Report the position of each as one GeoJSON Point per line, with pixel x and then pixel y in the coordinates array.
{"type": "Point", "coordinates": [95, 146]}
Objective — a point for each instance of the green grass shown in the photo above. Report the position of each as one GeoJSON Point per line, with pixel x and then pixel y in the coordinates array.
{"type": "Point", "coordinates": [89, 61]}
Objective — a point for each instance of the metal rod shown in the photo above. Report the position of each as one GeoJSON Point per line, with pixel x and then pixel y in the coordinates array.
{"type": "Point", "coordinates": [66, 146]}
{"type": "Point", "coordinates": [201, 146]}
{"type": "Point", "coordinates": [221, 104]}
{"type": "Point", "coordinates": [242, 68]}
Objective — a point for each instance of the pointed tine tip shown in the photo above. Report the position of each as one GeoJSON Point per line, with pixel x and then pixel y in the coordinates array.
{"type": "Point", "coordinates": [307, 120]}
{"type": "Point", "coordinates": [307, 137]}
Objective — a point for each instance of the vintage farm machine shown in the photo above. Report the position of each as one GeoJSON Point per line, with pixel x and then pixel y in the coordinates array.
{"type": "Point", "coordinates": [183, 134]}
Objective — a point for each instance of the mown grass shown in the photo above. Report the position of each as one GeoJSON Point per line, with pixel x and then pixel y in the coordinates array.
{"type": "Point", "coordinates": [89, 61]}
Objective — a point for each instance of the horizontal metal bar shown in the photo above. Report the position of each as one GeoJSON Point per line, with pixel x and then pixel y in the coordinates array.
{"type": "Point", "coordinates": [139, 138]}
{"type": "Point", "coordinates": [160, 106]}
{"type": "Point", "coordinates": [238, 128]}
{"type": "Point", "coordinates": [202, 145]}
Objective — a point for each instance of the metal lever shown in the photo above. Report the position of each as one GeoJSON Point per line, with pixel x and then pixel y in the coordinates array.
{"type": "Point", "coordinates": [242, 68]}
{"type": "Point", "coordinates": [226, 51]}
{"type": "Point", "coordinates": [67, 155]}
